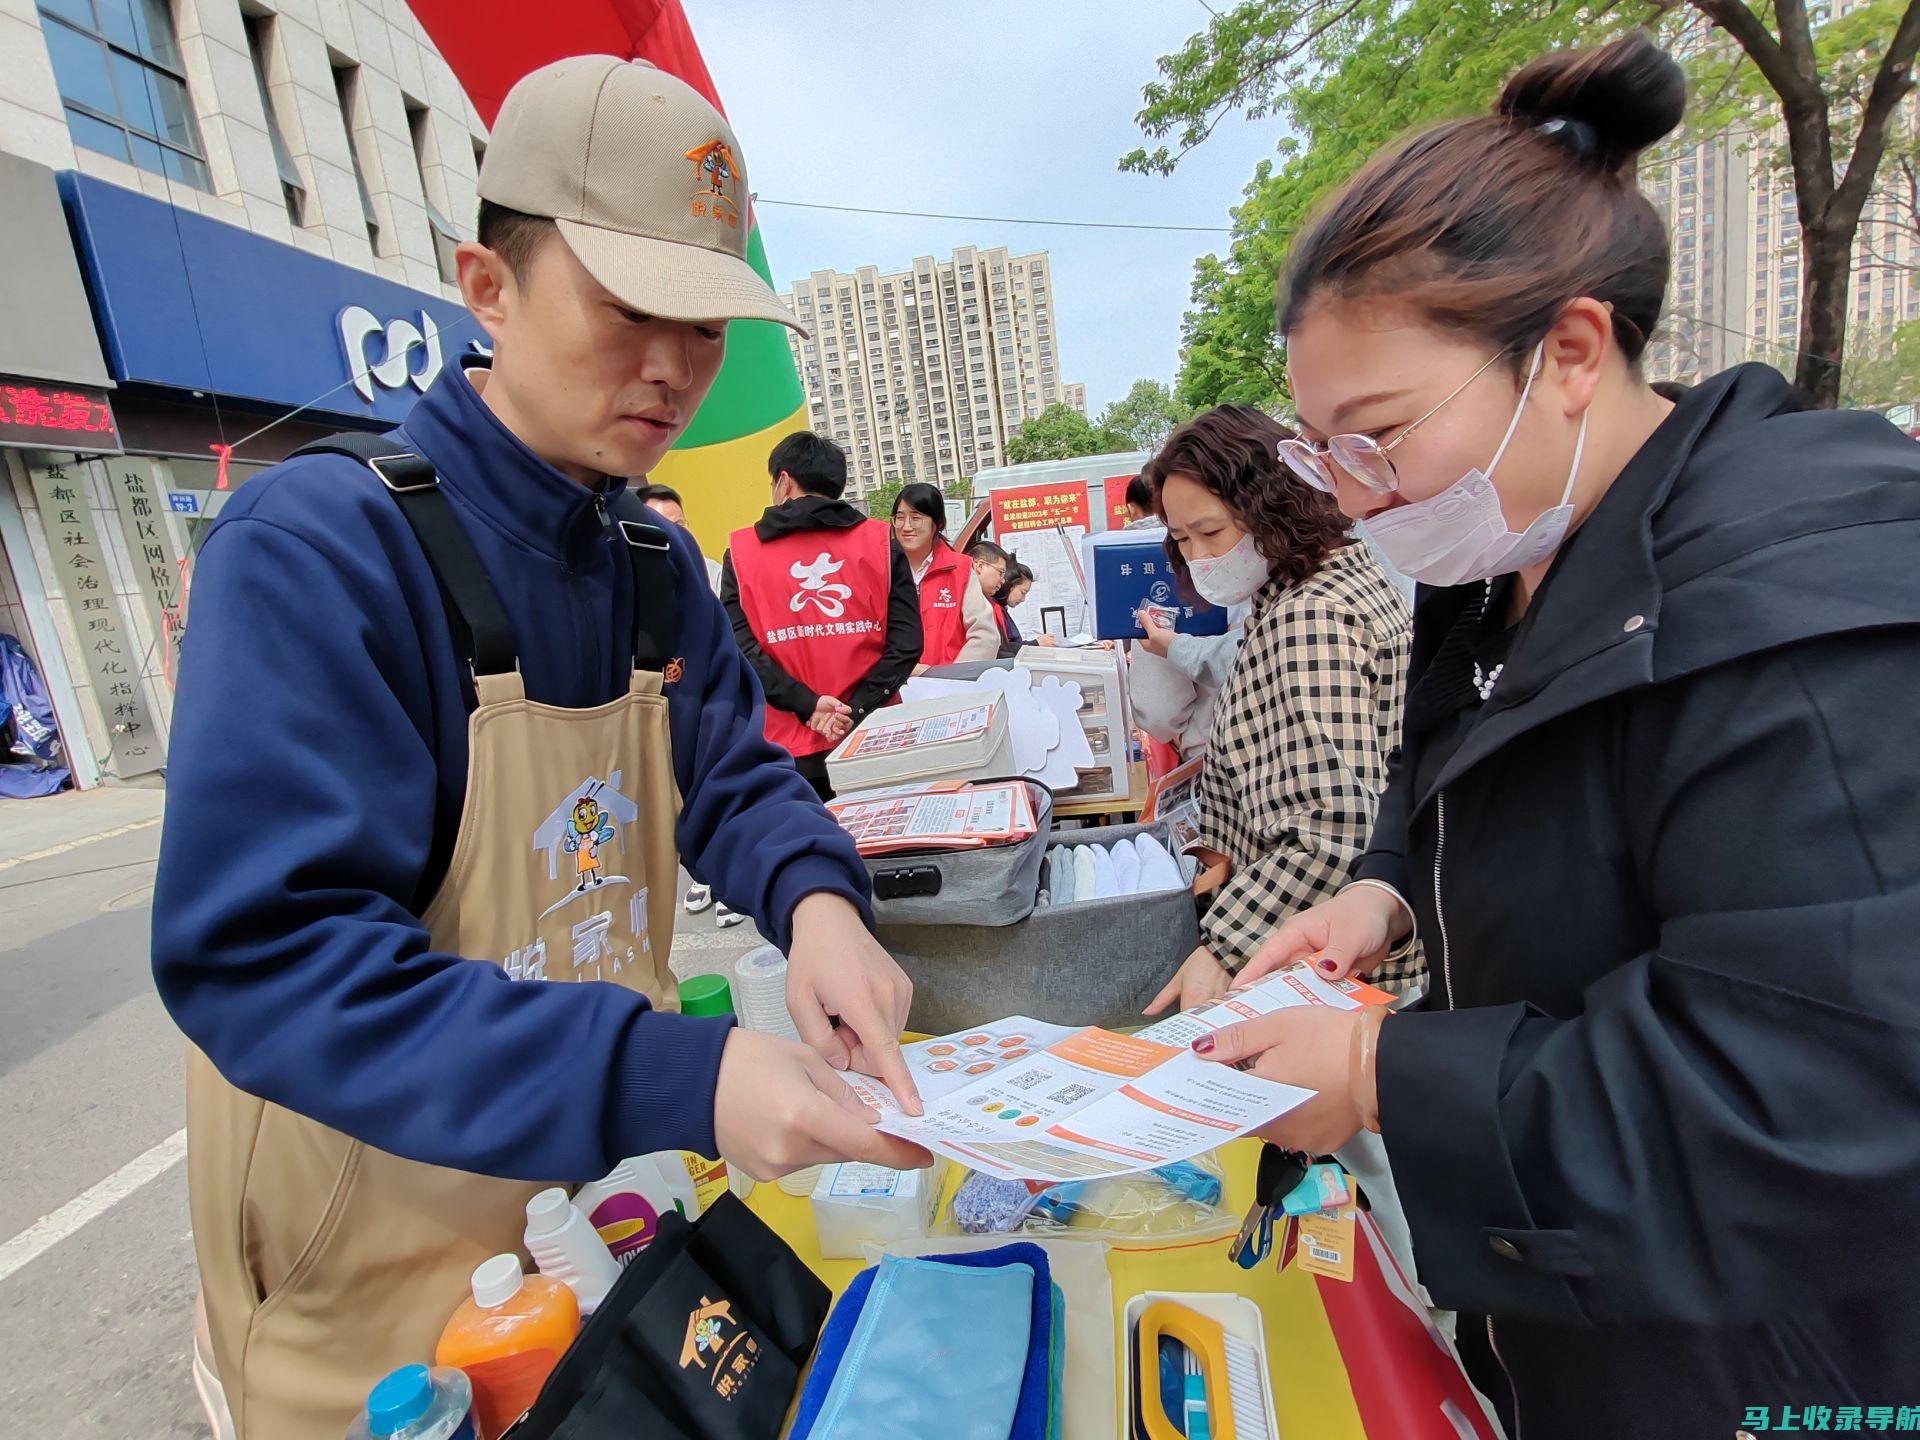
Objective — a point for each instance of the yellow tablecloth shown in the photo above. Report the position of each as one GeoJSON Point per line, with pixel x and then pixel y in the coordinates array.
{"type": "Point", "coordinates": [1311, 1395]}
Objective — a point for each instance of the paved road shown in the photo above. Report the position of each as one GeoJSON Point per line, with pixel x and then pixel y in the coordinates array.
{"type": "Point", "coordinates": [96, 1257]}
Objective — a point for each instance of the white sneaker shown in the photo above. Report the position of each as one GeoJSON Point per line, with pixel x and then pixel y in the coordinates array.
{"type": "Point", "coordinates": [697, 899]}
{"type": "Point", "coordinates": [725, 919]}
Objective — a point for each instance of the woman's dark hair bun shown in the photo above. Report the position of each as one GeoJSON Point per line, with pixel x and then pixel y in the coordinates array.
{"type": "Point", "coordinates": [1611, 103]}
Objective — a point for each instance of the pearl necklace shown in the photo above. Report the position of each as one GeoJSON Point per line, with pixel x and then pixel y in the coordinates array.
{"type": "Point", "coordinates": [1485, 680]}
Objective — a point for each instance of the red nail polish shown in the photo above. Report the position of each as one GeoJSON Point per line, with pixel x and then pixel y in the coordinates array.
{"type": "Point", "coordinates": [1203, 1045]}
{"type": "Point", "coordinates": [1327, 967]}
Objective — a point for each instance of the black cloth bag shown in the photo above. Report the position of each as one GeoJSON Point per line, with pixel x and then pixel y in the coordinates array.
{"type": "Point", "coordinates": [703, 1336]}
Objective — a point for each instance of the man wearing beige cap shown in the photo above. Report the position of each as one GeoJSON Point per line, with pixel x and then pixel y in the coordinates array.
{"type": "Point", "coordinates": [452, 704]}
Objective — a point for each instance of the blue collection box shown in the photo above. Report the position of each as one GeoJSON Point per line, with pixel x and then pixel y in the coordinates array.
{"type": "Point", "coordinates": [1126, 569]}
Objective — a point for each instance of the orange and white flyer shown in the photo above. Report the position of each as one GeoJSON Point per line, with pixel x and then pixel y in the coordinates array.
{"type": "Point", "coordinates": [1295, 985]}
{"type": "Point", "coordinates": [880, 736]}
{"type": "Point", "coordinates": [938, 816]}
{"type": "Point", "coordinates": [1030, 1101]}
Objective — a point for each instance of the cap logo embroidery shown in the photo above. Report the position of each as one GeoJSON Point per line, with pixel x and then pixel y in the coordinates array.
{"type": "Point", "coordinates": [716, 178]}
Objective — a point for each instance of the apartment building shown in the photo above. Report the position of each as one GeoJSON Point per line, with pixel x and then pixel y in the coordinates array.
{"type": "Point", "coordinates": [1076, 397]}
{"type": "Point", "coordinates": [229, 229]}
{"type": "Point", "coordinates": [922, 374]}
{"type": "Point", "coordinates": [1730, 209]}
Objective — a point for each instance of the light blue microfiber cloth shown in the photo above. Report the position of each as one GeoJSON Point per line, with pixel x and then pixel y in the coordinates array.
{"type": "Point", "coordinates": [939, 1349]}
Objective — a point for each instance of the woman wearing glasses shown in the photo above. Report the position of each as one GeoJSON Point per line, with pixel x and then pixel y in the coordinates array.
{"type": "Point", "coordinates": [1657, 1125]}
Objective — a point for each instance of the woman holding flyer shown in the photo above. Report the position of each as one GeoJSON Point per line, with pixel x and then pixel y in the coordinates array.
{"type": "Point", "coordinates": [956, 622]}
{"type": "Point", "coordinates": [1654, 811]}
{"type": "Point", "coordinates": [1311, 708]}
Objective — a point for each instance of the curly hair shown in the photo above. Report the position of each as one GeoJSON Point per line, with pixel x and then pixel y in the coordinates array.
{"type": "Point", "coordinates": [1233, 451]}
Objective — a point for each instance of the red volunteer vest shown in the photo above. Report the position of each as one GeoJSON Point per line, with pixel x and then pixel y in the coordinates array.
{"type": "Point", "coordinates": [817, 602]}
{"type": "Point", "coordinates": [943, 589]}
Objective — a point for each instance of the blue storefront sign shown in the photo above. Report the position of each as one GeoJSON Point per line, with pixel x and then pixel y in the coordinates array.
{"type": "Point", "coordinates": [195, 304]}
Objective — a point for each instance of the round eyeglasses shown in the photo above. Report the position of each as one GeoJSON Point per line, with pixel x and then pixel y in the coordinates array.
{"type": "Point", "coordinates": [1361, 456]}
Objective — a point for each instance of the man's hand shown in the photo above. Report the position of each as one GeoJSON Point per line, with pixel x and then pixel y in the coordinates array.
{"type": "Point", "coordinates": [1200, 977]}
{"type": "Point", "coordinates": [831, 718]}
{"type": "Point", "coordinates": [837, 970]}
{"type": "Point", "coordinates": [1158, 637]}
{"type": "Point", "coordinates": [777, 1108]}
{"type": "Point", "coordinates": [1312, 1046]}
{"type": "Point", "coordinates": [1350, 934]}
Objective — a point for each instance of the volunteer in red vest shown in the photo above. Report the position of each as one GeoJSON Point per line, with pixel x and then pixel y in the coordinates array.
{"type": "Point", "coordinates": [823, 605]}
{"type": "Point", "coordinates": [956, 621]}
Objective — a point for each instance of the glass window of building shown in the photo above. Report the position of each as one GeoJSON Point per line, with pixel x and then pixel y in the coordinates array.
{"type": "Point", "coordinates": [123, 86]}
{"type": "Point", "coordinates": [346, 85]}
{"type": "Point", "coordinates": [293, 186]}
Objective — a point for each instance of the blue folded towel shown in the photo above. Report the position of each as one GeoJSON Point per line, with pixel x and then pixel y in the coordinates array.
{"type": "Point", "coordinates": [1037, 1386]}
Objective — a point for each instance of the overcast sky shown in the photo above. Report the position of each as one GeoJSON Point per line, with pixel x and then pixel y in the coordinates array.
{"type": "Point", "coordinates": [981, 107]}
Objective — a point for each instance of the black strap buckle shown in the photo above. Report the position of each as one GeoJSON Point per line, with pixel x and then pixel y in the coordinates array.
{"type": "Point", "coordinates": [403, 464]}
{"type": "Point", "coordinates": [645, 537]}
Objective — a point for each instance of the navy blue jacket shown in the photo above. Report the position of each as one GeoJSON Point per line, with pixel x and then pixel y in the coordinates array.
{"type": "Point", "coordinates": [319, 749]}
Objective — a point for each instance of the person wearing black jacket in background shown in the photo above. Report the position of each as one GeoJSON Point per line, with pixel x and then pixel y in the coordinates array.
{"type": "Point", "coordinates": [827, 612]}
{"type": "Point", "coordinates": [1656, 1126]}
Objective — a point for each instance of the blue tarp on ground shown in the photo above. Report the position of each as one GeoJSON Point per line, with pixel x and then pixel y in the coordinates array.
{"type": "Point", "coordinates": [32, 759]}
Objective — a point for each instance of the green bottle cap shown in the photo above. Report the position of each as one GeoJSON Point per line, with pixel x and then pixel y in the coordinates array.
{"type": "Point", "coordinates": [706, 995]}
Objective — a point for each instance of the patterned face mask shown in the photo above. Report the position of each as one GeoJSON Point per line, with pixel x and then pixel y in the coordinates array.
{"type": "Point", "coordinates": [1232, 578]}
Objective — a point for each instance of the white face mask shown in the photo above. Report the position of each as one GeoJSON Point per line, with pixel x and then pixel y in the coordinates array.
{"type": "Point", "coordinates": [1461, 534]}
{"type": "Point", "coordinates": [1232, 578]}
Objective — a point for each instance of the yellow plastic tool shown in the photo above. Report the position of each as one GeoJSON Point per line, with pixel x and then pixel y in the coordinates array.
{"type": "Point", "coordinates": [1236, 1398]}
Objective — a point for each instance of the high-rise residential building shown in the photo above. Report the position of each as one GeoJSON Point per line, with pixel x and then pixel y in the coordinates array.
{"type": "Point", "coordinates": [1076, 397]}
{"type": "Point", "coordinates": [1734, 295]}
{"type": "Point", "coordinates": [922, 374]}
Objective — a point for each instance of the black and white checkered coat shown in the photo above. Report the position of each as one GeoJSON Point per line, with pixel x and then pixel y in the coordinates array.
{"type": "Point", "coordinates": [1298, 755]}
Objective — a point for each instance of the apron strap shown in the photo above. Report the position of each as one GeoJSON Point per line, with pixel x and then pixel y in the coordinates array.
{"type": "Point", "coordinates": [481, 631]}
{"type": "Point", "coordinates": [655, 607]}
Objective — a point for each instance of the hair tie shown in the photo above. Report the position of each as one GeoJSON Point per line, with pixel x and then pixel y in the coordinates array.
{"type": "Point", "coordinates": [1574, 135]}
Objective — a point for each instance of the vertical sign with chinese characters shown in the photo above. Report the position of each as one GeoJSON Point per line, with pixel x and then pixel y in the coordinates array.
{"type": "Point", "coordinates": [150, 553]}
{"type": "Point", "coordinates": [108, 649]}
{"type": "Point", "coordinates": [1043, 526]}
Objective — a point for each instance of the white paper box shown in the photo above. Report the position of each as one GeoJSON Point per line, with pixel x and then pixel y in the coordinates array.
{"type": "Point", "coordinates": [856, 1204]}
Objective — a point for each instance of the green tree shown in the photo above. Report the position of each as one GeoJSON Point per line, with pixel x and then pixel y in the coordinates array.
{"type": "Point", "coordinates": [1146, 416]}
{"type": "Point", "coordinates": [1060, 432]}
{"type": "Point", "coordinates": [1349, 75]}
{"type": "Point", "coordinates": [1885, 372]}
{"type": "Point", "coordinates": [880, 499]}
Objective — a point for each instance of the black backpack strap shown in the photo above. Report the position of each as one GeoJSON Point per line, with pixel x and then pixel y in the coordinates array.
{"type": "Point", "coordinates": [481, 631]}
{"type": "Point", "coordinates": [656, 608]}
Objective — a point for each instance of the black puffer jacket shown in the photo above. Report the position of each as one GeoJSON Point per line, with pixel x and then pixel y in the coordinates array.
{"type": "Point", "coordinates": [1660, 1118]}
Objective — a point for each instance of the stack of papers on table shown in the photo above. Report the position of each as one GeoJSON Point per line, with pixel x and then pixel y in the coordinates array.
{"type": "Point", "coordinates": [936, 815]}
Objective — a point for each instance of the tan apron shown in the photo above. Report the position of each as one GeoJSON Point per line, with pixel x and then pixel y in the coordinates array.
{"type": "Point", "coordinates": [324, 1262]}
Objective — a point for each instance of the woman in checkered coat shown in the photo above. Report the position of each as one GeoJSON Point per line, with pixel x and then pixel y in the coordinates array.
{"type": "Point", "coordinates": [1311, 710]}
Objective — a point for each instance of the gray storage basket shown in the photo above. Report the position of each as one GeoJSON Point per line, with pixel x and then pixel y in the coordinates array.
{"type": "Point", "coordinates": [1088, 962]}
{"type": "Point", "coordinates": [995, 885]}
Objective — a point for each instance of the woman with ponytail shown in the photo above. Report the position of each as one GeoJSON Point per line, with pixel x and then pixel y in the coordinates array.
{"type": "Point", "coordinates": [1656, 1125]}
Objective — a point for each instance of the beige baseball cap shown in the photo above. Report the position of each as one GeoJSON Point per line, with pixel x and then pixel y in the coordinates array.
{"type": "Point", "coordinates": [644, 179]}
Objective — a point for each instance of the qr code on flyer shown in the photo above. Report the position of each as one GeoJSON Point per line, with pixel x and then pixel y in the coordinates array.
{"type": "Point", "coordinates": [1070, 1094]}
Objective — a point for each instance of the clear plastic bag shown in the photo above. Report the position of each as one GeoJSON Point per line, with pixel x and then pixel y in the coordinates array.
{"type": "Point", "coordinates": [1185, 1199]}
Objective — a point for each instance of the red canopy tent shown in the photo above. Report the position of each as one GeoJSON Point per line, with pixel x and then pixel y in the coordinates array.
{"type": "Point", "coordinates": [492, 43]}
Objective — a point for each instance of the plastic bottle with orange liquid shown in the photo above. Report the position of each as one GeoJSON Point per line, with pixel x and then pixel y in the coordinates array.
{"type": "Point", "coordinates": [507, 1338]}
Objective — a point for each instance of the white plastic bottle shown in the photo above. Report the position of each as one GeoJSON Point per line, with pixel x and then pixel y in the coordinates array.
{"type": "Point", "coordinates": [566, 1247]}
{"type": "Point", "coordinates": [415, 1403]}
{"type": "Point", "coordinates": [626, 1206]}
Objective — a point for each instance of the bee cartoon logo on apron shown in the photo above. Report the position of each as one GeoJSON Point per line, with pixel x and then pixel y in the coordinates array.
{"type": "Point", "coordinates": [325, 1262]}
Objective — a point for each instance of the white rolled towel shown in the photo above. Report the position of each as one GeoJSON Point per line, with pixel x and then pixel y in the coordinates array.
{"type": "Point", "coordinates": [1126, 867]}
{"type": "Point", "coordinates": [1158, 869]}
